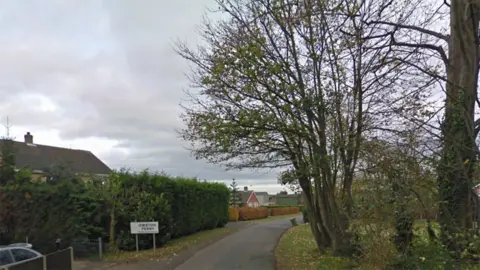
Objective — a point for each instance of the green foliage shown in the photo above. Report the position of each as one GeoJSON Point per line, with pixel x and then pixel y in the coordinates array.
{"type": "Point", "coordinates": [293, 221]}
{"type": "Point", "coordinates": [235, 196]}
{"type": "Point", "coordinates": [426, 253]}
{"type": "Point", "coordinates": [23, 176]}
{"type": "Point", "coordinates": [304, 214]}
{"type": "Point", "coordinates": [78, 211]}
{"type": "Point", "coordinates": [7, 166]}
{"type": "Point", "coordinates": [47, 212]}
{"type": "Point", "coordinates": [279, 206]}
{"type": "Point", "coordinates": [145, 207]}
{"type": "Point", "coordinates": [60, 172]}
{"type": "Point", "coordinates": [182, 206]}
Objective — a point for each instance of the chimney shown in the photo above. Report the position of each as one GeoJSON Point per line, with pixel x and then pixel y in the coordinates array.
{"type": "Point", "coordinates": [245, 188]}
{"type": "Point", "coordinates": [28, 138]}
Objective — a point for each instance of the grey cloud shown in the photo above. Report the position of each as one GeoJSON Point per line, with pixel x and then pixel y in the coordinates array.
{"type": "Point", "coordinates": [110, 69]}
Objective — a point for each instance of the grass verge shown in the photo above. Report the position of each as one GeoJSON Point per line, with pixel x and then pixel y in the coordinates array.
{"type": "Point", "coordinates": [172, 248]}
{"type": "Point", "coordinates": [297, 250]}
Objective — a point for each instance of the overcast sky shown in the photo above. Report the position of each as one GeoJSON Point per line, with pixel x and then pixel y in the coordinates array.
{"type": "Point", "coordinates": [102, 76]}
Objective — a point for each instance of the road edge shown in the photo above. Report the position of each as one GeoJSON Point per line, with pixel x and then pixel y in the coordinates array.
{"type": "Point", "coordinates": [276, 246]}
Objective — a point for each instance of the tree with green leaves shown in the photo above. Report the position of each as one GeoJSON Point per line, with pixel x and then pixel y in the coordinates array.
{"type": "Point", "coordinates": [295, 86]}
{"type": "Point", "coordinates": [115, 193]}
{"type": "Point", "coordinates": [235, 196]}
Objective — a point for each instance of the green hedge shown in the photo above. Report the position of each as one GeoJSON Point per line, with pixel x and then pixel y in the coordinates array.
{"type": "Point", "coordinates": [79, 211]}
{"type": "Point", "coordinates": [194, 205]}
{"type": "Point", "coordinates": [47, 212]}
{"type": "Point", "coordinates": [187, 206]}
{"type": "Point", "coordinates": [279, 206]}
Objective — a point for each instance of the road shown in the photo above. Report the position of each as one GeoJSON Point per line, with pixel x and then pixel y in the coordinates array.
{"type": "Point", "coordinates": [249, 249]}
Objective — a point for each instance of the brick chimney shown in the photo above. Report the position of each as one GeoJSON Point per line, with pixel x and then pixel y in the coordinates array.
{"type": "Point", "coordinates": [28, 138]}
{"type": "Point", "coordinates": [245, 188]}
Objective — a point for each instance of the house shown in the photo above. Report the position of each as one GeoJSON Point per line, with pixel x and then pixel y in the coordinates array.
{"type": "Point", "coordinates": [39, 158]}
{"type": "Point", "coordinates": [249, 198]}
{"type": "Point", "coordinates": [263, 197]}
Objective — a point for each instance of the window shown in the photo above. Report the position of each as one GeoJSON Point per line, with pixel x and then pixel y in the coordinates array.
{"type": "Point", "coordinates": [20, 254]}
{"type": "Point", "coordinates": [5, 257]}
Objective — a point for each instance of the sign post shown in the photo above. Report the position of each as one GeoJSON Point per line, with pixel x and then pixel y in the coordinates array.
{"type": "Point", "coordinates": [154, 245]}
{"type": "Point", "coordinates": [144, 228]}
{"type": "Point", "coordinates": [136, 241]}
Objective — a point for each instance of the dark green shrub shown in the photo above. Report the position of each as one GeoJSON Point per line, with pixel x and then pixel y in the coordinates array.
{"type": "Point", "coordinates": [305, 214]}
{"type": "Point", "coordinates": [198, 206]}
{"type": "Point", "coordinates": [77, 212]}
{"type": "Point", "coordinates": [193, 205]}
{"type": "Point", "coordinates": [144, 207]}
{"type": "Point", "coordinates": [279, 206]}
{"type": "Point", "coordinates": [293, 221]}
{"type": "Point", "coordinates": [46, 212]}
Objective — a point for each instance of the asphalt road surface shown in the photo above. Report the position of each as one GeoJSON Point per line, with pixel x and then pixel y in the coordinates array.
{"type": "Point", "coordinates": [249, 249]}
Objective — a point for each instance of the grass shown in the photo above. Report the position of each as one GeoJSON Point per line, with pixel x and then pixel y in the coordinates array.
{"type": "Point", "coordinates": [172, 248]}
{"type": "Point", "coordinates": [297, 250]}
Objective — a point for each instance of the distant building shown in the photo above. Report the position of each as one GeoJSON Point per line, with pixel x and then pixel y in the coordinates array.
{"type": "Point", "coordinates": [289, 199]}
{"type": "Point", "coordinates": [249, 198]}
{"type": "Point", "coordinates": [263, 197]}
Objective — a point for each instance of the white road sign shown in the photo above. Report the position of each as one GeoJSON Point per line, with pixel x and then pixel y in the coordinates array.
{"type": "Point", "coordinates": [143, 227]}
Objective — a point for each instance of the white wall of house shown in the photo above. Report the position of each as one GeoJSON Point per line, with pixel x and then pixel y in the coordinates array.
{"type": "Point", "coordinates": [253, 204]}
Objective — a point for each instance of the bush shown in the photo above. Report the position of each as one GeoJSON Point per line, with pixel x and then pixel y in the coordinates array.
{"type": "Point", "coordinates": [284, 211]}
{"type": "Point", "coordinates": [146, 207]}
{"type": "Point", "coordinates": [232, 214]}
{"type": "Point", "coordinates": [279, 206]}
{"type": "Point", "coordinates": [249, 213]}
{"type": "Point", "coordinates": [192, 205]}
{"type": "Point", "coordinates": [45, 212]}
{"type": "Point", "coordinates": [305, 214]}
{"type": "Point", "coordinates": [76, 212]}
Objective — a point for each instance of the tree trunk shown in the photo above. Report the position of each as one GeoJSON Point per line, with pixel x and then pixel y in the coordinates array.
{"type": "Point", "coordinates": [321, 237]}
{"type": "Point", "coordinates": [458, 156]}
{"type": "Point", "coordinates": [335, 222]}
{"type": "Point", "coordinates": [316, 223]}
{"type": "Point", "coordinates": [112, 238]}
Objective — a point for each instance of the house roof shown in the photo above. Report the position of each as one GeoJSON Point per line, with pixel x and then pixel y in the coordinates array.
{"type": "Point", "coordinates": [245, 195]}
{"type": "Point", "coordinates": [39, 157]}
{"type": "Point", "coordinates": [261, 193]}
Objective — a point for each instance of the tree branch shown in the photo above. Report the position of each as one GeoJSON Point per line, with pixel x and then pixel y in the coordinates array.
{"type": "Point", "coordinates": [416, 28]}
{"type": "Point", "coordinates": [438, 49]}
